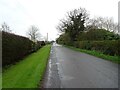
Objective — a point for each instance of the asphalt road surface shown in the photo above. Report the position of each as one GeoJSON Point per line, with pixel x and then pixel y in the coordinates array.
{"type": "Point", "coordinates": [71, 69]}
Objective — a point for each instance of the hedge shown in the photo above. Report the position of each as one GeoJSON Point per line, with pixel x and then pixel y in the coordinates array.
{"type": "Point", "coordinates": [38, 45]}
{"type": "Point", "coordinates": [15, 47]}
{"type": "Point", "coordinates": [110, 47]}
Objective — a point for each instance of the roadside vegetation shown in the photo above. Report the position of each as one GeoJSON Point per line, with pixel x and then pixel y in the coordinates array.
{"type": "Point", "coordinates": [16, 47]}
{"type": "Point", "coordinates": [29, 72]}
{"type": "Point", "coordinates": [24, 59]}
{"type": "Point", "coordinates": [0, 80]}
{"type": "Point", "coordinates": [98, 36]}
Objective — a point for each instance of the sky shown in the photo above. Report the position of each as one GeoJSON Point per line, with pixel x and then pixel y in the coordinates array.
{"type": "Point", "coordinates": [46, 14]}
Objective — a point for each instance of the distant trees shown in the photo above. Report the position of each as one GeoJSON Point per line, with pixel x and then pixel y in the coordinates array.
{"type": "Point", "coordinates": [33, 33]}
{"type": "Point", "coordinates": [103, 23]}
{"type": "Point", "coordinates": [5, 28]}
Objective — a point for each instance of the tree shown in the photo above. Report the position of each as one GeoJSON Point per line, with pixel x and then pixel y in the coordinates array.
{"type": "Point", "coordinates": [74, 23]}
{"type": "Point", "coordinates": [5, 28]}
{"type": "Point", "coordinates": [102, 23]}
{"type": "Point", "coordinates": [33, 33]}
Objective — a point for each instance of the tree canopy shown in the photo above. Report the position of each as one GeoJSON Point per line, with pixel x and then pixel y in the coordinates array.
{"type": "Point", "coordinates": [77, 26]}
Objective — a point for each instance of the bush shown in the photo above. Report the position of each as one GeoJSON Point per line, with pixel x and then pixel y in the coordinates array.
{"type": "Point", "coordinates": [16, 47]}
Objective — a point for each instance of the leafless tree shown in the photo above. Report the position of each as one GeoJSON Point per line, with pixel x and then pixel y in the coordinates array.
{"type": "Point", "coordinates": [115, 28]}
{"type": "Point", "coordinates": [94, 23]}
{"type": "Point", "coordinates": [33, 33]}
{"type": "Point", "coordinates": [76, 12]}
{"type": "Point", "coordinates": [62, 26]}
{"type": "Point", "coordinates": [103, 23]}
{"type": "Point", "coordinates": [5, 27]}
{"type": "Point", "coordinates": [100, 22]}
{"type": "Point", "coordinates": [108, 23]}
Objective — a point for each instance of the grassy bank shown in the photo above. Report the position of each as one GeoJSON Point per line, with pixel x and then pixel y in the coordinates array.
{"type": "Point", "coordinates": [0, 80]}
{"type": "Point", "coordinates": [29, 72]}
{"type": "Point", "coordinates": [115, 59]}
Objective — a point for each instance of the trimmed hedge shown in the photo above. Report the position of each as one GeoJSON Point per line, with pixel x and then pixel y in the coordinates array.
{"type": "Point", "coordinates": [110, 47]}
{"type": "Point", "coordinates": [38, 45]}
{"type": "Point", "coordinates": [16, 47]}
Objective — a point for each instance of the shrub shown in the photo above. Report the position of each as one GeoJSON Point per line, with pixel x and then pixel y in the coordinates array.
{"type": "Point", "coordinates": [110, 47]}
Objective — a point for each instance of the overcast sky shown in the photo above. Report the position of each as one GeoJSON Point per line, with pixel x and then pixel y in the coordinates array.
{"type": "Point", "coordinates": [45, 14]}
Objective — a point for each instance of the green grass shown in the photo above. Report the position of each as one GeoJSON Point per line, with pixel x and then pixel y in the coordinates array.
{"type": "Point", "coordinates": [0, 80]}
{"type": "Point", "coordinates": [115, 59]}
{"type": "Point", "coordinates": [29, 72]}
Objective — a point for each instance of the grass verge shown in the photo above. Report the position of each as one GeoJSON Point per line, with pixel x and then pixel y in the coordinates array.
{"type": "Point", "coordinates": [115, 59]}
{"type": "Point", "coordinates": [0, 81]}
{"type": "Point", "coordinates": [27, 73]}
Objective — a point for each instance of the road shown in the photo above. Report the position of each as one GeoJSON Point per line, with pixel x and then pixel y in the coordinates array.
{"type": "Point", "coordinates": [71, 69]}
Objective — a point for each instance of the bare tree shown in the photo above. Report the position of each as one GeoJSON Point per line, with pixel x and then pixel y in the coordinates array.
{"type": "Point", "coordinates": [33, 33]}
{"type": "Point", "coordinates": [5, 27]}
{"type": "Point", "coordinates": [116, 27]}
{"type": "Point", "coordinates": [108, 23]}
{"type": "Point", "coordinates": [100, 22]}
{"type": "Point", "coordinates": [93, 23]}
{"type": "Point", "coordinates": [63, 25]}
{"type": "Point", "coordinates": [103, 23]}
{"type": "Point", "coordinates": [60, 27]}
